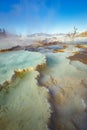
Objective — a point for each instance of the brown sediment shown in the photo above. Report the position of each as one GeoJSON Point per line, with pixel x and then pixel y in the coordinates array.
{"type": "Point", "coordinates": [5, 50]}
{"type": "Point", "coordinates": [61, 50]}
{"type": "Point", "coordinates": [65, 46]}
{"type": "Point", "coordinates": [80, 56]}
{"type": "Point", "coordinates": [81, 46]}
{"type": "Point", "coordinates": [77, 52]}
{"type": "Point", "coordinates": [51, 43]}
{"type": "Point", "coordinates": [83, 34]}
{"type": "Point", "coordinates": [40, 66]}
{"type": "Point", "coordinates": [15, 48]}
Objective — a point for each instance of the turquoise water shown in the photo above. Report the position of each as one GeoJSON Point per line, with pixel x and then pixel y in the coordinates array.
{"type": "Point", "coordinates": [10, 61]}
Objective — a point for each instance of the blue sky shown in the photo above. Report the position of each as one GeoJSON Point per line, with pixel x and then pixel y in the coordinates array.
{"type": "Point", "coordinates": [48, 16]}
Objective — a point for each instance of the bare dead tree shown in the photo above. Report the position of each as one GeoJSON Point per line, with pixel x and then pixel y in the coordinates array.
{"type": "Point", "coordinates": [73, 34]}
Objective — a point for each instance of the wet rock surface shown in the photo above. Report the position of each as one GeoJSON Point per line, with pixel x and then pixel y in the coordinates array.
{"type": "Point", "coordinates": [80, 56]}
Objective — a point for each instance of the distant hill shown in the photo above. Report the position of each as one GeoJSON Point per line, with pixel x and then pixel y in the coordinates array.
{"type": "Point", "coordinates": [45, 34]}
{"type": "Point", "coordinates": [38, 34]}
{"type": "Point", "coordinates": [83, 34]}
